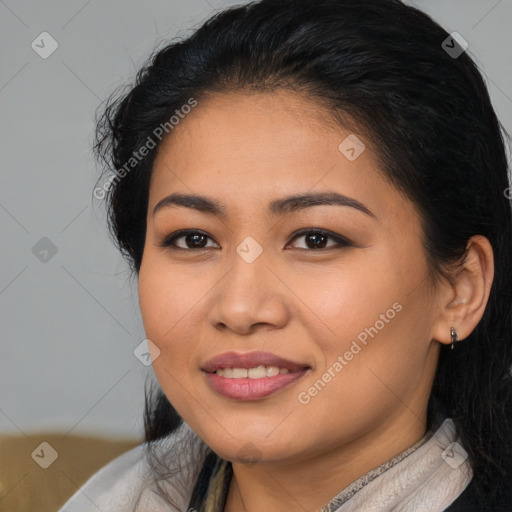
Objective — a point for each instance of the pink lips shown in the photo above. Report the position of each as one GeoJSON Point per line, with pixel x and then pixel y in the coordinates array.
{"type": "Point", "coordinates": [247, 388]}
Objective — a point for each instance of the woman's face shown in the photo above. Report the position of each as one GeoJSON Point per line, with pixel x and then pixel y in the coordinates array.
{"type": "Point", "coordinates": [353, 309]}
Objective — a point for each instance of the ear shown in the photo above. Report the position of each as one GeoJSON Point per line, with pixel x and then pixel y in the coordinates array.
{"type": "Point", "coordinates": [462, 301]}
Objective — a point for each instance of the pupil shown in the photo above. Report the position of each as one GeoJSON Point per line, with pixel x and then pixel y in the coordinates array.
{"type": "Point", "coordinates": [194, 238]}
{"type": "Point", "coordinates": [316, 237]}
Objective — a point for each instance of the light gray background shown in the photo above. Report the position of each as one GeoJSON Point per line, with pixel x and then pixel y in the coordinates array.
{"type": "Point", "coordinates": [70, 325]}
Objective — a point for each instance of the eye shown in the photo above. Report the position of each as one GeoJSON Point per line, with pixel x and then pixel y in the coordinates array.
{"type": "Point", "coordinates": [192, 239]}
{"type": "Point", "coordinates": [316, 239]}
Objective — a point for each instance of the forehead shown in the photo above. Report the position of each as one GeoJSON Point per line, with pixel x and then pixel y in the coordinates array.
{"type": "Point", "coordinates": [250, 127]}
{"type": "Point", "coordinates": [246, 147]}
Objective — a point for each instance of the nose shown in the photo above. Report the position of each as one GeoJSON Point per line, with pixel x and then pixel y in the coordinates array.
{"type": "Point", "coordinates": [250, 295]}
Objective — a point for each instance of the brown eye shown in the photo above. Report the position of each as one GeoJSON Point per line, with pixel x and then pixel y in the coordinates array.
{"type": "Point", "coordinates": [318, 240]}
{"type": "Point", "coordinates": [192, 240]}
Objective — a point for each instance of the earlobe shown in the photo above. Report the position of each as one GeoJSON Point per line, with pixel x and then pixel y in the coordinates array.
{"type": "Point", "coordinates": [463, 301]}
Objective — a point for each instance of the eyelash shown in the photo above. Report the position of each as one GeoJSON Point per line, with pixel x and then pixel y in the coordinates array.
{"type": "Point", "coordinates": [169, 241]}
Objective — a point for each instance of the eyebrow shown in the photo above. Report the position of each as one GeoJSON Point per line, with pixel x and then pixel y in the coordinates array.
{"type": "Point", "coordinates": [282, 206]}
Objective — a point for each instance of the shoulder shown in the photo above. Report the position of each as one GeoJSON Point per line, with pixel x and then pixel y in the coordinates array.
{"type": "Point", "coordinates": [124, 484]}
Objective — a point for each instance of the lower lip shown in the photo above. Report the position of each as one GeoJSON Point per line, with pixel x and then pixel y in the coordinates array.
{"type": "Point", "coordinates": [252, 389]}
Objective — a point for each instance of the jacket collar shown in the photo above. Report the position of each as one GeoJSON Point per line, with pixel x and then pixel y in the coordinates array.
{"type": "Point", "coordinates": [429, 475]}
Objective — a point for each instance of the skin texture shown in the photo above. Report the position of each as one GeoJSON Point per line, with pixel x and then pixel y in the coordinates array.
{"type": "Point", "coordinates": [302, 303]}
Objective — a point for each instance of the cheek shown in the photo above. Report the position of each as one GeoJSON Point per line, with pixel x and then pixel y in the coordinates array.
{"type": "Point", "coordinates": [351, 296]}
{"type": "Point", "coordinates": [165, 297]}
{"type": "Point", "coordinates": [376, 318]}
{"type": "Point", "coordinates": [154, 298]}
{"type": "Point", "coordinates": [165, 305]}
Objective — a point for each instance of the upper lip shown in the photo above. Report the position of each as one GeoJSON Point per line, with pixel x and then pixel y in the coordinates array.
{"type": "Point", "coordinates": [250, 360]}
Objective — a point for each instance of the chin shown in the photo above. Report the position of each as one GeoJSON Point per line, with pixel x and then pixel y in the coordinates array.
{"type": "Point", "coordinates": [253, 449]}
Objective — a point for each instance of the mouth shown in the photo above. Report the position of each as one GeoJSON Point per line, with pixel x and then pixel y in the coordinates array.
{"type": "Point", "coordinates": [257, 372]}
{"type": "Point", "coordinates": [251, 376]}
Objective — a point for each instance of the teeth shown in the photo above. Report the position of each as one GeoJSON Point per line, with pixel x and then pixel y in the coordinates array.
{"type": "Point", "coordinates": [239, 373]}
{"type": "Point", "coordinates": [257, 372]}
{"type": "Point", "coordinates": [272, 370]}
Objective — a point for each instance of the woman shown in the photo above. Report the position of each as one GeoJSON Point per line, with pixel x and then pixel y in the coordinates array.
{"type": "Point", "coordinates": [314, 198]}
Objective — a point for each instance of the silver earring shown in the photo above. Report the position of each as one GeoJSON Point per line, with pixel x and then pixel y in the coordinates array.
{"type": "Point", "coordinates": [453, 334]}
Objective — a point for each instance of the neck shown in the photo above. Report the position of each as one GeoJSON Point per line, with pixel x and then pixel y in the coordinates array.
{"type": "Point", "coordinates": [311, 482]}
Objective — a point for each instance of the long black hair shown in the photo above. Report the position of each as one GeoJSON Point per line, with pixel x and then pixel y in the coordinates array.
{"type": "Point", "coordinates": [387, 71]}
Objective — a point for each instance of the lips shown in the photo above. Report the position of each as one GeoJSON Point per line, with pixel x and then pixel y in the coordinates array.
{"type": "Point", "coordinates": [254, 386]}
{"type": "Point", "coordinates": [251, 360]}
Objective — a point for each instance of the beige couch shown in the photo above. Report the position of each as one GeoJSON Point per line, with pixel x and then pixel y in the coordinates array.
{"type": "Point", "coordinates": [26, 486]}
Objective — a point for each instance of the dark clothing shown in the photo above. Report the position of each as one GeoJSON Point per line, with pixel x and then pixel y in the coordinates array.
{"type": "Point", "coordinates": [469, 501]}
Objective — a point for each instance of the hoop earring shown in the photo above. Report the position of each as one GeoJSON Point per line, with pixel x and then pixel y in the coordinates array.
{"type": "Point", "coordinates": [453, 334]}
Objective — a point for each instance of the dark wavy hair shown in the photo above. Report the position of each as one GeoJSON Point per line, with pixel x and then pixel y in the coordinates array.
{"type": "Point", "coordinates": [380, 69]}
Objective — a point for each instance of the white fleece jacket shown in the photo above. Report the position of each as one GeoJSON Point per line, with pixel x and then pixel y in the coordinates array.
{"type": "Point", "coordinates": [427, 480]}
